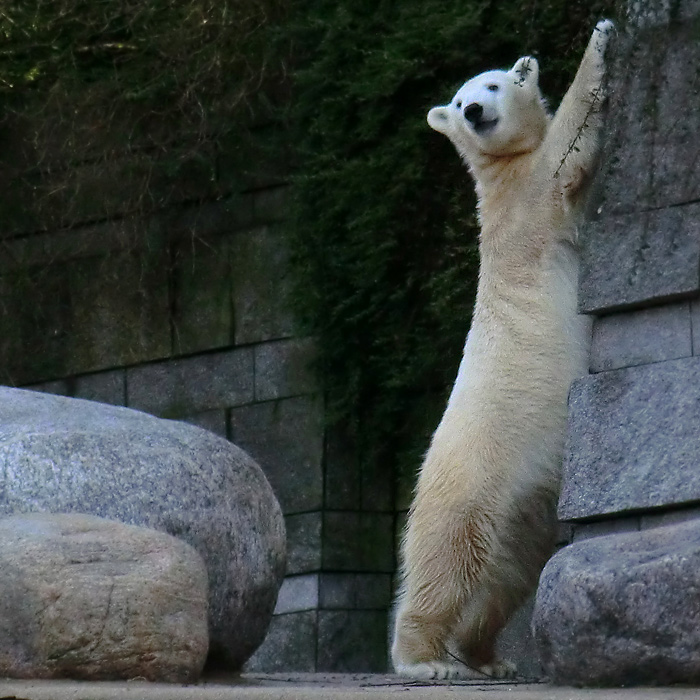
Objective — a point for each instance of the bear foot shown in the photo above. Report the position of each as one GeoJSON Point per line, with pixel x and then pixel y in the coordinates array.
{"type": "Point", "coordinates": [452, 670]}
{"type": "Point", "coordinates": [435, 670]}
{"type": "Point", "coordinates": [499, 669]}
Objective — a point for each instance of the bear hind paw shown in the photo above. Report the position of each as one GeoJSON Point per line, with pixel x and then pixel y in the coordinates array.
{"type": "Point", "coordinates": [499, 669]}
{"type": "Point", "coordinates": [435, 670]}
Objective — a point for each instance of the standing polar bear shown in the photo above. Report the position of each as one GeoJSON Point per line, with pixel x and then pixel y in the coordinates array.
{"type": "Point", "coordinates": [483, 520]}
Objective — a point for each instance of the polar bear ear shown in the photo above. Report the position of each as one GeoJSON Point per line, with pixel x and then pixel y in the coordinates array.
{"type": "Point", "coordinates": [438, 120]}
{"type": "Point", "coordinates": [526, 71]}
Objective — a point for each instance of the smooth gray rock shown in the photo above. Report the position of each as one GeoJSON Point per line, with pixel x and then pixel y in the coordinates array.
{"type": "Point", "coordinates": [65, 455]}
{"type": "Point", "coordinates": [622, 609]}
{"type": "Point", "coordinates": [94, 599]}
{"type": "Point", "coordinates": [633, 440]}
{"type": "Point", "coordinates": [641, 337]}
{"type": "Point", "coordinates": [626, 260]}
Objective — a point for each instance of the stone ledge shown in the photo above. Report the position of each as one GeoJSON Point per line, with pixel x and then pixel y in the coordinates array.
{"type": "Point", "coordinates": [625, 259]}
{"type": "Point", "coordinates": [633, 440]}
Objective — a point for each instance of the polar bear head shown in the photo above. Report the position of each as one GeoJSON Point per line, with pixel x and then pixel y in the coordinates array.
{"type": "Point", "coordinates": [497, 113]}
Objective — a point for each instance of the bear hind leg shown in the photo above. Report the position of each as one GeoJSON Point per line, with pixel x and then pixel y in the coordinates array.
{"type": "Point", "coordinates": [476, 637]}
{"type": "Point", "coordinates": [443, 563]}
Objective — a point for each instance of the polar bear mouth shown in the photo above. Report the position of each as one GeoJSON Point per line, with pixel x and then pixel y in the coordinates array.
{"type": "Point", "coordinates": [485, 126]}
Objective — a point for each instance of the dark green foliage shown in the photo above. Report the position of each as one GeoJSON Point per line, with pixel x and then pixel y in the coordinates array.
{"type": "Point", "coordinates": [95, 81]}
{"type": "Point", "coordinates": [384, 232]}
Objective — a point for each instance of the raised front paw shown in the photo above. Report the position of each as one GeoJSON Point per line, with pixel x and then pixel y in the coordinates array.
{"type": "Point", "coordinates": [601, 35]}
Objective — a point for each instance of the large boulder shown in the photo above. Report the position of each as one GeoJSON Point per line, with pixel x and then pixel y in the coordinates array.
{"type": "Point", "coordinates": [622, 609]}
{"type": "Point", "coordinates": [67, 455]}
{"type": "Point", "coordinates": [94, 599]}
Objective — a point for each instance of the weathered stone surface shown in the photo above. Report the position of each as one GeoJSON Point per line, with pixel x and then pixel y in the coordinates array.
{"type": "Point", "coordinates": [177, 388]}
{"type": "Point", "coordinates": [633, 440]}
{"type": "Point", "coordinates": [83, 597]}
{"type": "Point", "coordinates": [261, 286]}
{"type": "Point", "coordinates": [201, 289]}
{"type": "Point", "coordinates": [622, 609]}
{"type": "Point", "coordinates": [285, 368]}
{"type": "Point", "coordinates": [298, 593]}
{"type": "Point", "coordinates": [105, 387]}
{"type": "Point", "coordinates": [352, 641]}
{"type": "Point", "coordinates": [516, 644]}
{"type": "Point", "coordinates": [66, 455]}
{"type": "Point", "coordinates": [286, 437]}
{"type": "Point", "coordinates": [355, 591]}
{"type": "Point", "coordinates": [303, 542]}
{"type": "Point", "coordinates": [648, 162]}
{"type": "Point", "coordinates": [358, 541]}
{"type": "Point", "coordinates": [290, 644]}
{"type": "Point", "coordinates": [626, 259]}
{"type": "Point", "coordinates": [641, 337]}
{"type": "Point", "coordinates": [645, 243]}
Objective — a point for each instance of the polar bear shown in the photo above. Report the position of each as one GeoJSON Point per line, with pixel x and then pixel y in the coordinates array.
{"type": "Point", "coordinates": [483, 520]}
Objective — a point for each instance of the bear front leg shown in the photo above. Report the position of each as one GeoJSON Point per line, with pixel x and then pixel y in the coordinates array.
{"type": "Point", "coordinates": [573, 137]}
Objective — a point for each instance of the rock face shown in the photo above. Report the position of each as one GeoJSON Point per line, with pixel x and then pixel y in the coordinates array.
{"type": "Point", "coordinates": [88, 598]}
{"type": "Point", "coordinates": [67, 455]}
{"type": "Point", "coordinates": [622, 609]}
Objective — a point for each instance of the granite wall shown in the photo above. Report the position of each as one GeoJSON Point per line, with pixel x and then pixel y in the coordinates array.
{"type": "Point", "coordinates": [634, 426]}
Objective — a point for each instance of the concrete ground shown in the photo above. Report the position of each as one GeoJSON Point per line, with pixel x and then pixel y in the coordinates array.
{"type": "Point", "coordinates": [317, 686]}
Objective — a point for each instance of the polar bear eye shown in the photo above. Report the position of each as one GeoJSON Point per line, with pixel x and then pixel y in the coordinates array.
{"type": "Point", "coordinates": [459, 104]}
{"type": "Point", "coordinates": [492, 88]}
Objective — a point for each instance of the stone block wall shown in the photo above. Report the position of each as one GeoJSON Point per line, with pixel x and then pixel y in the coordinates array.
{"type": "Point", "coordinates": [184, 312]}
{"type": "Point", "coordinates": [634, 423]}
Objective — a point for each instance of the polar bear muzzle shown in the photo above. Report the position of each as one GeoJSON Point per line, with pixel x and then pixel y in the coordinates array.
{"type": "Point", "coordinates": [474, 114]}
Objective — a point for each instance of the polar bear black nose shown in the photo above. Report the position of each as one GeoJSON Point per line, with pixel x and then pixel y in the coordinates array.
{"type": "Point", "coordinates": [473, 112]}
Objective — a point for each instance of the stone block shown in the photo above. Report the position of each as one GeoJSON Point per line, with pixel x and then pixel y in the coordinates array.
{"type": "Point", "coordinates": [584, 531]}
{"type": "Point", "coordinates": [202, 312]}
{"type": "Point", "coordinates": [640, 15]}
{"type": "Point", "coordinates": [207, 221]}
{"type": "Point", "coordinates": [214, 421]}
{"type": "Point", "coordinates": [355, 591]}
{"type": "Point", "coordinates": [60, 387]}
{"type": "Point", "coordinates": [633, 440]}
{"type": "Point", "coordinates": [641, 337]}
{"type": "Point", "coordinates": [622, 609]}
{"type": "Point", "coordinates": [352, 641]}
{"type": "Point", "coordinates": [342, 482]}
{"type": "Point", "coordinates": [119, 312]}
{"type": "Point", "coordinates": [262, 286]}
{"type": "Point", "coordinates": [285, 368]}
{"type": "Point", "coordinates": [105, 387]}
{"type": "Point", "coordinates": [297, 593]}
{"type": "Point", "coordinates": [515, 643]}
{"type": "Point", "coordinates": [34, 325]}
{"type": "Point", "coordinates": [271, 205]}
{"type": "Point", "coordinates": [377, 486]}
{"type": "Point", "coordinates": [673, 517]}
{"type": "Point", "coordinates": [648, 164]}
{"type": "Point", "coordinates": [303, 542]}
{"type": "Point", "coordinates": [695, 325]}
{"type": "Point", "coordinates": [625, 259]}
{"type": "Point", "coordinates": [286, 438]}
{"type": "Point", "coordinates": [290, 645]}
{"type": "Point", "coordinates": [178, 388]}
{"type": "Point", "coordinates": [358, 541]}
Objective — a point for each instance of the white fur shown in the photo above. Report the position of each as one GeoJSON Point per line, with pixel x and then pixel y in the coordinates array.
{"type": "Point", "coordinates": [483, 520]}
